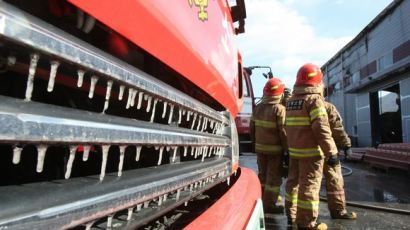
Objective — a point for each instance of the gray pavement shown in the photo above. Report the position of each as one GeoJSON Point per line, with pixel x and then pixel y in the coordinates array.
{"type": "Point", "coordinates": [365, 185]}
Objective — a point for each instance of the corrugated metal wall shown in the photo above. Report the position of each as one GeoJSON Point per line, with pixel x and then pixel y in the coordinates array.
{"type": "Point", "coordinates": [377, 45]}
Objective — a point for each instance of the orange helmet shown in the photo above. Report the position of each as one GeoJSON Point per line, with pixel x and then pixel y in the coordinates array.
{"type": "Point", "coordinates": [309, 74]}
{"type": "Point", "coordinates": [273, 87]}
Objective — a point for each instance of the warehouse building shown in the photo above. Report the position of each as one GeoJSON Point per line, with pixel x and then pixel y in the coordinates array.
{"type": "Point", "coordinates": [369, 79]}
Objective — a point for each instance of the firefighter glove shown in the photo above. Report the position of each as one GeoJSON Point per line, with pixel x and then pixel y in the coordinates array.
{"type": "Point", "coordinates": [347, 152]}
{"type": "Point", "coordinates": [333, 161]}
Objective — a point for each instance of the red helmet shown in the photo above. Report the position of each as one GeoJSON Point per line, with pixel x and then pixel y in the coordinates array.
{"type": "Point", "coordinates": [273, 87]}
{"type": "Point", "coordinates": [309, 74]}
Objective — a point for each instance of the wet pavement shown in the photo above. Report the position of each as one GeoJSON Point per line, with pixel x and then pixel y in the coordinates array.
{"type": "Point", "coordinates": [365, 185]}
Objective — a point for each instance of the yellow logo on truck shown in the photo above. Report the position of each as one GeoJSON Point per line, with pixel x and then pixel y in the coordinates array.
{"type": "Point", "coordinates": [202, 5]}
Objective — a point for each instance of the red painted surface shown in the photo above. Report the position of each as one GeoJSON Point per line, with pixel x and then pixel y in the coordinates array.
{"type": "Point", "coordinates": [243, 124]}
{"type": "Point", "coordinates": [204, 52]}
{"type": "Point", "coordinates": [234, 209]}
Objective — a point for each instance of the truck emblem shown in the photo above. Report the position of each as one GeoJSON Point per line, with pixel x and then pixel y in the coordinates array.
{"type": "Point", "coordinates": [202, 5]}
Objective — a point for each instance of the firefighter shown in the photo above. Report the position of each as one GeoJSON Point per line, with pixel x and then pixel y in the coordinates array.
{"type": "Point", "coordinates": [336, 200]}
{"type": "Point", "coordinates": [269, 139]}
{"type": "Point", "coordinates": [310, 147]}
{"type": "Point", "coordinates": [286, 96]}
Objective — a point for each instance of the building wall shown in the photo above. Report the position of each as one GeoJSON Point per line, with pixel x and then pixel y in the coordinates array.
{"type": "Point", "coordinates": [405, 107]}
{"type": "Point", "coordinates": [369, 64]}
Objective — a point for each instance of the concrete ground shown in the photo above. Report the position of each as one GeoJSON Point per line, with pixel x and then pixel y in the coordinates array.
{"type": "Point", "coordinates": [366, 186]}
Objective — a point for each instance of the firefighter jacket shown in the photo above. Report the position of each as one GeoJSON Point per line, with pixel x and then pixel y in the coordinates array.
{"type": "Point", "coordinates": [339, 134]}
{"type": "Point", "coordinates": [307, 125]}
{"type": "Point", "coordinates": [267, 126]}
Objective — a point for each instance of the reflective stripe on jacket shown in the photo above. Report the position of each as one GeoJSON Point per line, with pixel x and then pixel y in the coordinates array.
{"type": "Point", "coordinates": [267, 126]}
{"type": "Point", "coordinates": [307, 125]}
{"type": "Point", "coordinates": [339, 134]}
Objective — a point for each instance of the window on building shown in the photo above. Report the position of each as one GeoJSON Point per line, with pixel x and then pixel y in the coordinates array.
{"type": "Point", "coordinates": [356, 77]}
{"type": "Point", "coordinates": [385, 61]}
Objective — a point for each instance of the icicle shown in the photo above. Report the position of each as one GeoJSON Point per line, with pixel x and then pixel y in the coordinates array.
{"type": "Point", "coordinates": [199, 123]}
{"type": "Point", "coordinates": [133, 95]}
{"type": "Point", "coordinates": [89, 24]}
{"type": "Point", "coordinates": [164, 110]}
{"type": "Point", "coordinates": [168, 148]}
{"type": "Point", "coordinates": [196, 185]}
{"type": "Point", "coordinates": [171, 112]}
{"type": "Point", "coordinates": [149, 104]}
{"type": "Point", "coordinates": [179, 116]}
{"type": "Point", "coordinates": [105, 149]}
{"type": "Point", "coordinates": [153, 110]}
{"type": "Point", "coordinates": [191, 186]}
{"type": "Point", "coordinates": [86, 152]}
{"type": "Point", "coordinates": [186, 203]}
{"type": "Point", "coordinates": [70, 162]}
{"type": "Point", "coordinates": [212, 124]}
{"type": "Point", "coordinates": [185, 150]}
{"type": "Point", "coordinates": [210, 152]}
{"type": "Point", "coordinates": [89, 225]}
{"type": "Point", "coordinates": [17, 155]}
{"type": "Point", "coordinates": [109, 221]}
{"type": "Point", "coordinates": [228, 181]}
{"type": "Point", "coordinates": [161, 149]}
{"type": "Point", "coordinates": [41, 154]}
{"type": "Point", "coordinates": [175, 153]}
{"type": "Point", "coordinates": [165, 197]}
{"type": "Point", "coordinates": [94, 80]}
{"type": "Point", "coordinates": [130, 93]}
{"type": "Point", "coordinates": [188, 115]}
{"type": "Point", "coordinates": [146, 203]}
{"type": "Point", "coordinates": [196, 153]}
{"type": "Point", "coordinates": [137, 156]}
{"type": "Point", "coordinates": [121, 94]}
{"type": "Point", "coordinates": [53, 73]}
{"type": "Point", "coordinates": [107, 95]}
{"type": "Point", "coordinates": [80, 77]}
{"type": "Point", "coordinates": [204, 124]}
{"type": "Point", "coordinates": [121, 163]}
{"type": "Point", "coordinates": [183, 112]}
{"type": "Point", "coordinates": [140, 95]}
{"type": "Point", "coordinates": [159, 200]}
{"type": "Point", "coordinates": [178, 194]}
{"type": "Point", "coordinates": [130, 210]}
{"type": "Point", "coordinates": [192, 151]}
{"type": "Point", "coordinates": [203, 156]}
{"type": "Point", "coordinates": [31, 72]}
{"type": "Point", "coordinates": [193, 121]}
{"type": "Point", "coordinates": [139, 206]}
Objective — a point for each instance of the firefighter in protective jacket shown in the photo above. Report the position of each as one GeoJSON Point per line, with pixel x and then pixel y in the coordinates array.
{"type": "Point", "coordinates": [269, 138]}
{"type": "Point", "coordinates": [336, 199]}
{"type": "Point", "coordinates": [310, 145]}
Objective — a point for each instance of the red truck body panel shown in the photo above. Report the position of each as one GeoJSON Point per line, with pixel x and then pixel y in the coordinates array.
{"type": "Point", "coordinates": [234, 209]}
{"type": "Point", "coordinates": [203, 51]}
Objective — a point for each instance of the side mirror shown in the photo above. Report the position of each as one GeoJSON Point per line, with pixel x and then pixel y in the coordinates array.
{"type": "Point", "coordinates": [238, 13]}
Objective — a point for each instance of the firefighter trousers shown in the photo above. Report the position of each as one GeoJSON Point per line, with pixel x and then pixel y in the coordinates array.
{"type": "Point", "coordinates": [270, 175]}
{"type": "Point", "coordinates": [302, 191]}
{"type": "Point", "coordinates": [336, 200]}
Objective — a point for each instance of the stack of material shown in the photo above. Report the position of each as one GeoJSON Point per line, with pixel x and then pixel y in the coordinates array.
{"type": "Point", "coordinates": [394, 155]}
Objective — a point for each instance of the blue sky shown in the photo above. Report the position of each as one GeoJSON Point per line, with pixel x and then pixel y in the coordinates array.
{"type": "Point", "coordinates": [285, 34]}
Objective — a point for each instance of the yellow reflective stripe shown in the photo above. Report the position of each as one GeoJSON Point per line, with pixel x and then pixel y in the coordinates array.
{"type": "Point", "coordinates": [297, 118]}
{"type": "Point", "coordinates": [305, 152]}
{"type": "Point", "coordinates": [272, 188]}
{"type": "Point", "coordinates": [293, 198]}
{"type": "Point", "coordinates": [312, 74]}
{"type": "Point", "coordinates": [315, 113]}
{"type": "Point", "coordinates": [268, 148]}
{"type": "Point", "coordinates": [297, 121]}
{"type": "Point", "coordinates": [311, 205]}
{"type": "Point", "coordinates": [265, 124]}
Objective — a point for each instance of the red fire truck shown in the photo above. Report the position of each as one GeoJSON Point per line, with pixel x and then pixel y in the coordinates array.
{"type": "Point", "coordinates": [115, 113]}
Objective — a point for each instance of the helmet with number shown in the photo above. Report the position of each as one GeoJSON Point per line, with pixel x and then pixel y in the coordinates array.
{"type": "Point", "coordinates": [273, 87]}
{"type": "Point", "coordinates": [309, 74]}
